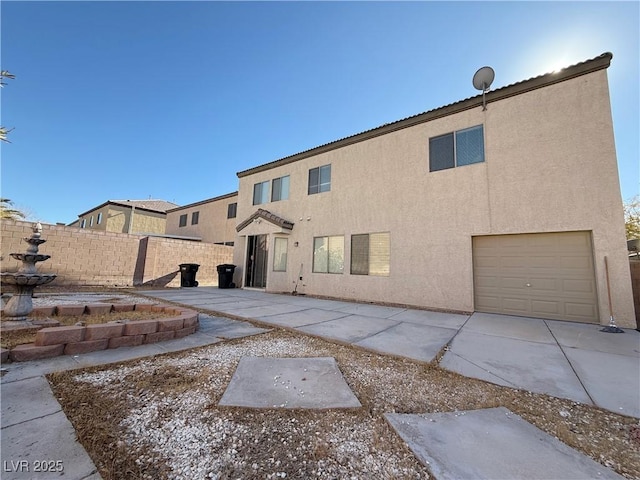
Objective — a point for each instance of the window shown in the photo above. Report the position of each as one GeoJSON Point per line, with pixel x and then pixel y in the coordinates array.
{"type": "Point", "coordinates": [232, 210]}
{"type": "Point", "coordinates": [280, 255]}
{"type": "Point", "coordinates": [456, 149]}
{"type": "Point", "coordinates": [183, 220]}
{"type": "Point", "coordinates": [83, 223]}
{"type": "Point", "coordinates": [320, 179]}
{"type": "Point", "coordinates": [328, 254]}
{"type": "Point", "coordinates": [260, 193]}
{"type": "Point", "coordinates": [370, 254]}
{"type": "Point", "coordinates": [280, 189]}
{"type": "Point", "coordinates": [195, 216]}
{"type": "Point", "coordinates": [91, 221]}
{"type": "Point", "coordinates": [99, 218]}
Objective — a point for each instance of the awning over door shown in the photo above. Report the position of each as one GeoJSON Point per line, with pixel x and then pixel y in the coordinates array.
{"type": "Point", "coordinates": [545, 275]}
{"type": "Point", "coordinates": [262, 222]}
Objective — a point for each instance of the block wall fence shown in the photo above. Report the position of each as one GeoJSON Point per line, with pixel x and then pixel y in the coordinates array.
{"type": "Point", "coordinates": [635, 286]}
{"type": "Point", "coordinates": [96, 258]}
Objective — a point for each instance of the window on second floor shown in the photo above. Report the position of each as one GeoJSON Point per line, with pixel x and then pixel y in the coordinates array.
{"type": "Point", "coordinates": [91, 221]}
{"type": "Point", "coordinates": [83, 223]}
{"type": "Point", "coordinates": [232, 210]}
{"type": "Point", "coordinates": [195, 216]}
{"type": "Point", "coordinates": [261, 193]}
{"type": "Point", "coordinates": [456, 149]}
{"type": "Point", "coordinates": [320, 179]}
{"type": "Point", "coordinates": [183, 220]}
{"type": "Point", "coordinates": [99, 218]}
{"type": "Point", "coordinates": [280, 189]}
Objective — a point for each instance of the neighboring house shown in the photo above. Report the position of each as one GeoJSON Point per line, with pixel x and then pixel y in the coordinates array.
{"type": "Point", "coordinates": [511, 209]}
{"type": "Point", "coordinates": [210, 221]}
{"type": "Point", "coordinates": [126, 216]}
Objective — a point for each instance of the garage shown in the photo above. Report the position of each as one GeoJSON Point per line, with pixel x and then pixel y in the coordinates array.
{"type": "Point", "coordinates": [544, 275]}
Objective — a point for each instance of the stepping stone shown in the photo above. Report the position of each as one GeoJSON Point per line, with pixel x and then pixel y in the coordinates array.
{"type": "Point", "coordinates": [311, 383]}
{"type": "Point", "coordinates": [491, 443]}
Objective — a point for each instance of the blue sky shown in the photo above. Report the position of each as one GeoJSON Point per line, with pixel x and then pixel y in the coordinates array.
{"type": "Point", "coordinates": [131, 100]}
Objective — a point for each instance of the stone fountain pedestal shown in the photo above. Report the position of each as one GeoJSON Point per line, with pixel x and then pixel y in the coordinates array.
{"type": "Point", "coordinates": [26, 279]}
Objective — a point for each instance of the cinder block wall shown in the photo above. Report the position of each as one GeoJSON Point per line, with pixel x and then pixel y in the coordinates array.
{"type": "Point", "coordinates": [96, 258]}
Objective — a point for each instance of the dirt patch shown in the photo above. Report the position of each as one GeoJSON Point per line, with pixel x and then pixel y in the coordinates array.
{"type": "Point", "coordinates": [159, 418]}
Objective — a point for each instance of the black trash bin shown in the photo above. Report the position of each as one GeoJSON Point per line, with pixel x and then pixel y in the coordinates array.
{"type": "Point", "coordinates": [225, 275]}
{"type": "Point", "coordinates": [188, 274]}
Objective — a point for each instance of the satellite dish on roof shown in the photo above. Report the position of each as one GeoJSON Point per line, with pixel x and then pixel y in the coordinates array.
{"type": "Point", "coordinates": [482, 80]}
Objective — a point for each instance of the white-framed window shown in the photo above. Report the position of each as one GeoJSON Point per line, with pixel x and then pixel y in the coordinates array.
{"type": "Point", "coordinates": [280, 189]}
{"type": "Point", "coordinates": [99, 221]}
{"type": "Point", "coordinates": [91, 221]}
{"type": "Point", "coordinates": [280, 254]}
{"type": "Point", "coordinates": [261, 193]}
{"type": "Point", "coordinates": [320, 179]}
{"type": "Point", "coordinates": [328, 254]}
{"type": "Point", "coordinates": [456, 149]}
{"type": "Point", "coordinates": [83, 223]}
{"type": "Point", "coordinates": [370, 254]}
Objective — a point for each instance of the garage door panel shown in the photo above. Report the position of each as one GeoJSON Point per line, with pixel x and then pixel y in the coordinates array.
{"type": "Point", "coordinates": [558, 267]}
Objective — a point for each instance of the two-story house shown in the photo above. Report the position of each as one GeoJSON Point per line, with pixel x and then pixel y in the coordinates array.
{"type": "Point", "coordinates": [510, 209]}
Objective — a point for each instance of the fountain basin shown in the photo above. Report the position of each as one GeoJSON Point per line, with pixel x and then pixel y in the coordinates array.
{"type": "Point", "coordinates": [27, 279]}
{"type": "Point", "coordinates": [30, 257]}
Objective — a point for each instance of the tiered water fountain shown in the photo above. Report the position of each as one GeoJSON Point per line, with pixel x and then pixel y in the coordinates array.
{"type": "Point", "coordinates": [26, 279]}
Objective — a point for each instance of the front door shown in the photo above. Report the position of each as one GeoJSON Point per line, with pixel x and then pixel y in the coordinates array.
{"type": "Point", "coordinates": [256, 261]}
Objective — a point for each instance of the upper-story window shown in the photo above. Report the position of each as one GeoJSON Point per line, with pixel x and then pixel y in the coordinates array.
{"type": "Point", "coordinates": [83, 223]}
{"type": "Point", "coordinates": [91, 221]}
{"type": "Point", "coordinates": [195, 216]}
{"type": "Point", "coordinates": [456, 149]}
{"type": "Point", "coordinates": [280, 189]}
{"type": "Point", "coordinates": [99, 218]}
{"type": "Point", "coordinates": [261, 193]}
{"type": "Point", "coordinates": [183, 220]}
{"type": "Point", "coordinates": [232, 210]}
{"type": "Point", "coordinates": [320, 179]}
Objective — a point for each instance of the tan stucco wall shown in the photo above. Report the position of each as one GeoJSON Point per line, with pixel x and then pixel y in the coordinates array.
{"type": "Point", "coordinates": [213, 225]}
{"type": "Point", "coordinates": [118, 218]}
{"type": "Point", "coordinates": [550, 166]}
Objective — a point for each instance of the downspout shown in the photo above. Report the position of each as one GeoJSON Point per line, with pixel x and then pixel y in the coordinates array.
{"type": "Point", "coordinates": [133, 209]}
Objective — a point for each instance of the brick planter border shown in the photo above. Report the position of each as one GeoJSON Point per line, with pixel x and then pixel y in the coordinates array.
{"type": "Point", "coordinates": [73, 340]}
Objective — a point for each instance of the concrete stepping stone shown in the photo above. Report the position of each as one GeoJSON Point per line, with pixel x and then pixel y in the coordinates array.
{"type": "Point", "coordinates": [491, 443]}
{"type": "Point", "coordinates": [310, 383]}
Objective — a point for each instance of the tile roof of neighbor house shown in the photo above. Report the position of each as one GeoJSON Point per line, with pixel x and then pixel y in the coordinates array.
{"type": "Point", "coordinates": [159, 206]}
{"type": "Point", "coordinates": [598, 63]}
{"type": "Point", "coordinates": [202, 202]}
{"type": "Point", "coordinates": [268, 216]}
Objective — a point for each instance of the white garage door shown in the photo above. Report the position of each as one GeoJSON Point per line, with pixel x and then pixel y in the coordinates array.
{"type": "Point", "coordinates": [545, 275]}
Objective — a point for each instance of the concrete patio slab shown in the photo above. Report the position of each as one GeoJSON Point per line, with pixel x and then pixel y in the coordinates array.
{"type": "Point", "coordinates": [266, 310]}
{"type": "Point", "coordinates": [352, 328]}
{"type": "Point", "coordinates": [21, 370]}
{"type": "Point", "coordinates": [612, 381]}
{"type": "Point", "coordinates": [303, 317]}
{"type": "Point", "coordinates": [226, 328]}
{"type": "Point", "coordinates": [521, 328]}
{"type": "Point", "coordinates": [537, 367]}
{"type": "Point", "coordinates": [589, 337]}
{"type": "Point", "coordinates": [32, 442]}
{"type": "Point", "coordinates": [366, 310]}
{"type": "Point", "coordinates": [406, 339]}
{"type": "Point", "coordinates": [435, 319]}
{"type": "Point", "coordinates": [310, 383]}
{"type": "Point", "coordinates": [25, 400]}
{"type": "Point", "coordinates": [491, 443]}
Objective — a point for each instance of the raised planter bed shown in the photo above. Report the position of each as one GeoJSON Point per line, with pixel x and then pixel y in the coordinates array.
{"type": "Point", "coordinates": [52, 341]}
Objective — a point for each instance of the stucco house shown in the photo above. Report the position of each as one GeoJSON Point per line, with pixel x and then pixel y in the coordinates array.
{"type": "Point", "coordinates": [126, 216]}
{"type": "Point", "coordinates": [210, 221]}
{"type": "Point", "coordinates": [511, 209]}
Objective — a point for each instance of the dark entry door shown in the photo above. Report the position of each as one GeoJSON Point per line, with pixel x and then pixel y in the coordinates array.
{"type": "Point", "coordinates": [256, 261]}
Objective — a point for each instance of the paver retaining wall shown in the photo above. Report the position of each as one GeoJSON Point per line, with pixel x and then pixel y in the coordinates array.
{"type": "Point", "coordinates": [77, 339]}
{"type": "Point", "coordinates": [96, 258]}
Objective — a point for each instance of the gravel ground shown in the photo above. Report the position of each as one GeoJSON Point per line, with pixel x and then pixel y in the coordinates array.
{"type": "Point", "coordinates": [159, 418]}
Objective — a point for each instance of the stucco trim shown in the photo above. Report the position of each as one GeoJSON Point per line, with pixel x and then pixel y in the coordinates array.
{"type": "Point", "coordinates": [601, 62]}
